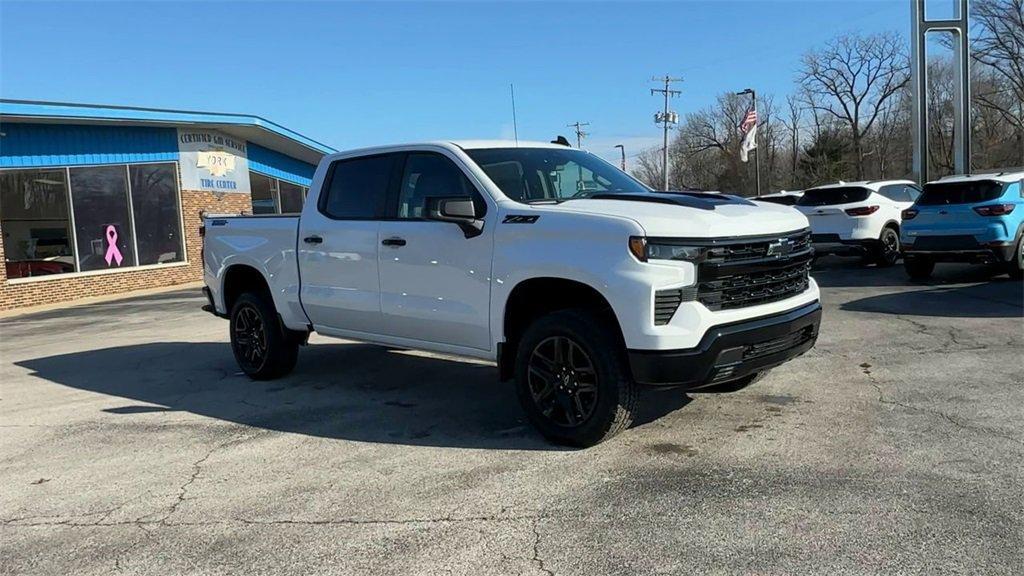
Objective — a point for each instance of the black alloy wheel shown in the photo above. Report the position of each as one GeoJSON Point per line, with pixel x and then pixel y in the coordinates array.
{"type": "Point", "coordinates": [572, 377]}
{"type": "Point", "coordinates": [250, 337]}
{"type": "Point", "coordinates": [263, 348]}
{"type": "Point", "coordinates": [563, 381]}
{"type": "Point", "coordinates": [888, 248]}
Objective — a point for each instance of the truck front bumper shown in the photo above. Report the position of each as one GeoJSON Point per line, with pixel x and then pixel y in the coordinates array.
{"type": "Point", "coordinates": [731, 351]}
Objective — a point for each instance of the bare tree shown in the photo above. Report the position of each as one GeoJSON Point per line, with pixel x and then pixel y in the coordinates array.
{"type": "Point", "coordinates": [796, 114]}
{"type": "Point", "coordinates": [853, 79]}
{"type": "Point", "coordinates": [999, 50]}
{"type": "Point", "coordinates": [648, 167]}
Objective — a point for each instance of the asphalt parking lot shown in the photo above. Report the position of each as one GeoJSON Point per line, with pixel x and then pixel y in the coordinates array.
{"type": "Point", "coordinates": [129, 443]}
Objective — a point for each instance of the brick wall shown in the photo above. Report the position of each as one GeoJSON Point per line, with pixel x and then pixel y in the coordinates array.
{"type": "Point", "coordinates": [61, 288]}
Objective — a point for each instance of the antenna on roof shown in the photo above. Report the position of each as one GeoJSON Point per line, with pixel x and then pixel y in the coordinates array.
{"type": "Point", "coordinates": [515, 125]}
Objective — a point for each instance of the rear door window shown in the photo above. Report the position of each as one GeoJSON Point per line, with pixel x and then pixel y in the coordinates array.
{"type": "Point", "coordinates": [357, 188]}
{"type": "Point", "coordinates": [833, 196]}
{"type": "Point", "coordinates": [944, 193]}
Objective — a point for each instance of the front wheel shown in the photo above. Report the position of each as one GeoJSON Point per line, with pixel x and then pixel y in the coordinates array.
{"type": "Point", "coordinates": [918, 267]}
{"type": "Point", "coordinates": [572, 379]}
{"type": "Point", "coordinates": [263, 349]}
{"type": "Point", "coordinates": [888, 249]}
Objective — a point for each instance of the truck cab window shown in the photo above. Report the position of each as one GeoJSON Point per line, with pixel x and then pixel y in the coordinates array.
{"type": "Point", "coordinates": [357, 188]}
{"type": "Point", "coordinates": [429, 175]}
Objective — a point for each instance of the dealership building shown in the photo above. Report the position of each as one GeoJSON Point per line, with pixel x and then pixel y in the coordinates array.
{"type": "Point", "coordinates": [98, 200]}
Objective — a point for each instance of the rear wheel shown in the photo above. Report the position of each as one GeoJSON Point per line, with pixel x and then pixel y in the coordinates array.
{"type": "Point", "coordinates": [1015, 267]}
{"type": "Point", "coordinates": [263, 348]}
{"type": "Point", "coordinates": [572, 379]}
{"type": "Point", "coordinates": [918, 267]}
{"type": "Point", "coordinates": [887, 252]}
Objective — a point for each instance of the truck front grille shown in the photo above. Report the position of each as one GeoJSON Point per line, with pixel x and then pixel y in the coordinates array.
{"type": "Point", "coordinates": [756, 271]}
{"type": "Point", "coordinates": [731, 251]}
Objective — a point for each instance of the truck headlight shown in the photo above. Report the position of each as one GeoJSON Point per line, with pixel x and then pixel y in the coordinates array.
{"type": "Point", "coordinates": [644, 250]}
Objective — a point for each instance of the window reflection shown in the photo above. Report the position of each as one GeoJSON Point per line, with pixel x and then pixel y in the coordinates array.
{"type": "Point", "coordinates": [35, 223]}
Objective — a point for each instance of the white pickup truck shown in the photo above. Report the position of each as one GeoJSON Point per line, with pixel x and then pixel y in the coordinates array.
{"type": "Point", "coordinates": [579, 281]}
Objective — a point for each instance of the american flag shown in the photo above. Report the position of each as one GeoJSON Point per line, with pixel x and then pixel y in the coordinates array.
{"type": "Point", "coordinates": [749, 130]}
{"type": "Point", "coordinates": [749, 121]}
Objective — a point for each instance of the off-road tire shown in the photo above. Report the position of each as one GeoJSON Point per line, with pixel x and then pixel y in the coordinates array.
{"type": "Point", "coordinates": [616, 391]}
{"type": "Point", "coordinates": [918, 267]}
{"type": "Point", "coordinates": [280, 347]}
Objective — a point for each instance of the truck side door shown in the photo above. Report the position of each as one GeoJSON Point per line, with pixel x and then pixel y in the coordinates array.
{"type": "Point", "coordinates": [338, 244]}
{"type": "Point", "coordinates": [434, 280]}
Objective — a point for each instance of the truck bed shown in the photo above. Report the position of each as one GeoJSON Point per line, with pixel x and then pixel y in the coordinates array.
{"type": "Point", "coordinates": [264, 242]}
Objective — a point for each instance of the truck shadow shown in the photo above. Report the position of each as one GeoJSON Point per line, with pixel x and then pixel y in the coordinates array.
{"type": "Point", "coordinates": [352, 391]}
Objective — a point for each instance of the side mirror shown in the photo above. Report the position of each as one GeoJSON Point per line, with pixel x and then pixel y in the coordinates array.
{"type": "Point", "coordinates": [459, 210]}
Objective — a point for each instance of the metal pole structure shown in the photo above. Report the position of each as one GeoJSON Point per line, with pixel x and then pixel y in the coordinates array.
{"type": "Point", "coordinates": [665, 118]}
{"type": "Point", "coordinates": [757, 156]}
{"type": "Point", "coordinates": [757, 150]}
{"type": "Point", "coordinates": [958, 27]}
{"type": "Point", "coordinates": [580, 134]}
{"type": "Point", "coordinates": [515, 124]}
{"type": "Point", "coordinates": [623, 150]}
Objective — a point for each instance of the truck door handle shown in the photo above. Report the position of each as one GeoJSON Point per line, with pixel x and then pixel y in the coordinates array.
{"type": "Point", "coordinates": [393, 241]}
{"type": "Point", "coordinates": [312, 239]}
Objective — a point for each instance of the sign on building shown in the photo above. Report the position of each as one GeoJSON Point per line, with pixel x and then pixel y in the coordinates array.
{"type": "Point", "coordinates": [212, 161]}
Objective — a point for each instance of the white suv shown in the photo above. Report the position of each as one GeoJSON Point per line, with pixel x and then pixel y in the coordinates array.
{"type": "Point", "coordinates": [858, 218]}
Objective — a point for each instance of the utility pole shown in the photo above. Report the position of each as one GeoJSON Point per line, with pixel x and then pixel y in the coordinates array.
{"type": "Point", "coordinates": [580, 134]}
{"type": "Point", "coordinates": [757, 151]}
{"type": "Point", "coordinates": [666, 117]}
{"type": "Point", "coordinates": [623, 150]}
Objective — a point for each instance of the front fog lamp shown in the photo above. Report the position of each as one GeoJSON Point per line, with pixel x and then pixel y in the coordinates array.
{"type": "Point", "coordinates": [644, 251]}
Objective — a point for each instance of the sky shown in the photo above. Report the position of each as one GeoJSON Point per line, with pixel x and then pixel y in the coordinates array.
{"type": "Point", "coordinates": [352, 74]}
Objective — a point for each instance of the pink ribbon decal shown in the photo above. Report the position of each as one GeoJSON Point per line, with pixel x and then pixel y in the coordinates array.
{"type": "Point", "coordinates": [112, 252]}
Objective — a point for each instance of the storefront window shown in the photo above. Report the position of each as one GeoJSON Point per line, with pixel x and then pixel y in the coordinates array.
{"type": "Point", "coordinates": [274, 196]}
{"type": "Point", "coordinates": [99, 196]}
{"type": "Point", "coordinates": [35, 223]}
{"type": "Point", "coordinates": [157, 217]}
{"type": "Point", "coordinates": [291, 197]}
{"type": "Point", "coordinates": [264, 194]}
{"type": "Point", "coordinates": [61, 220]}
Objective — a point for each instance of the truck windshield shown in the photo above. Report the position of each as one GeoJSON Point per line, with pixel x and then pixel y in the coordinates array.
{"type": "Point", "coordinates": [832, 196]}
{"type": "Point", "coordinates": [552, 174]}
{"type": "Point", "coordinates": [942, 193]}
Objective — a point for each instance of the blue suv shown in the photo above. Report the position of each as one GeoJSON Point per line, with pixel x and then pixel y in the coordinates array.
{"type": "Point", "coordinates": [974, 218]}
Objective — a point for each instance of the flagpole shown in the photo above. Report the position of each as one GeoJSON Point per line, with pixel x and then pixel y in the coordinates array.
{"type": "Point", "coordinates": [757, 157]}
{"type": "Point", "coordinates": [757, 151]}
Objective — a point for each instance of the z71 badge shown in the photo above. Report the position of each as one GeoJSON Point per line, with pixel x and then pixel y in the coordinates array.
{"type": "Point", "coordinates": [519, 219]}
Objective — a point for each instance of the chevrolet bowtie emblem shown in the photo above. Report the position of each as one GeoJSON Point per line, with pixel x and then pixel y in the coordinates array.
{"type": "Point", "coordinates": [780, 247]}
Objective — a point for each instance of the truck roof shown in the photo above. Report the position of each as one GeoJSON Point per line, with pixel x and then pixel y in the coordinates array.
{"type": "Point", "coordinates": [1014, 176]}
{"type": "Point", "coordinates": [477, 144]}
{"type": "Point", "coordinates": [450, 144]}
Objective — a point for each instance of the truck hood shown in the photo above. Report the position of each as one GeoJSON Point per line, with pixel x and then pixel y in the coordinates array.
{"type": "Point", "coordinates": [692, 215]}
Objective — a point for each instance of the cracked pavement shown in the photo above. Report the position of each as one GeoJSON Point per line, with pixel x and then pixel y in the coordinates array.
{"type": "Point", "coordinates": [130, 444]}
